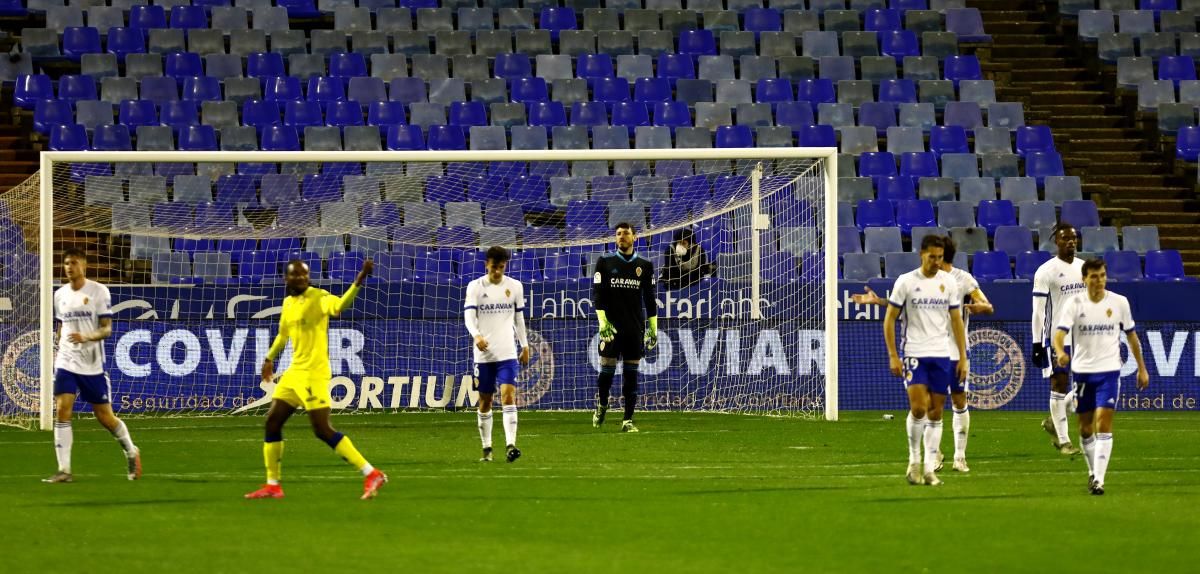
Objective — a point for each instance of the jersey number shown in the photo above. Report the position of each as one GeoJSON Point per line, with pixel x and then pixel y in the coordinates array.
{"type": "Point", "coordinates": [910, 365]}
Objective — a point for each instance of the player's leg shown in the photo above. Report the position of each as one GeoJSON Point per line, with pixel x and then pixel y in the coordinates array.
{"type": "Point", "coordinates": [1108, 389]}
{"type": "Point", "coordinates": [65, 389]}
{"type": "Point", "coordinates": [133, 456]}
{"type": "Point", "coordinates": [937, 376]}
{"type": "Point", "coordinates": [373, 478]}
{"type": "Point", "coordinates": [632, 350]}
{"type": "Point", "coordinates": [918, 404]}
{"type": "Point", "coordinates": [608, 372]}
{"type": "Point", "coordinates": [283, 404]}
{"type": "Point", "coordinates": [506, 377]}
{"type": "Point", "coordinates": [1060, 401]}
{"type": "Point", "coordinates": [485, 379]}
{"type": "Point", "coordinates": [961, 419]}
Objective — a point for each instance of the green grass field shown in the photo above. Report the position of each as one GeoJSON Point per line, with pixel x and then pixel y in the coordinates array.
{"type": "Point", "coordinates": [691, 493]}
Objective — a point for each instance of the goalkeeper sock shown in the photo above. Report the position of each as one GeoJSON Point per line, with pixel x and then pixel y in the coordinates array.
{"type": "Point", "coordinates": [933, 443]}
{"type": "Point", "coordinates": [1058, 415]}
{"type": "Point", "coordinates": [916, 428]}
{"type": "Point", "coordinates": [510, 424]}
{"type": "Point", "coordinates": [485, 428]}
{"type": "Point", "coordinates": [273, 457]}
{"type": "Point", "coordinates": [1089, 451]}
{"type": "Point", "coordinates": [607, 374]}
{"type": "Point", "coordinates": [344, 448]}
{"type": "Point", "coordinates": [63, 438]}
{"type": "Point", "coordinates": [122, 435]}
{"type": "Point", "coordinates": [629, 377]}
{"type": "Point", "coordinates": [962, 428]}
{"type": "Point", "coordinates": [1104, 444]}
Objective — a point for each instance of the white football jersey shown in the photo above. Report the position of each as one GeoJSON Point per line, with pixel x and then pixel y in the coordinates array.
{"type": "Point", "coordinates": [1094, 331]}
{"type": "Point", "coordinates": [1054, 282]}
{"type": "Point", "coordinates": [925, 304]}
{"type": "Point", "coordinates": [966, 284]}
{"type": "Point", "coordinates": [496, 307]}
{"type": "Point", "coordinates": [80, 312]}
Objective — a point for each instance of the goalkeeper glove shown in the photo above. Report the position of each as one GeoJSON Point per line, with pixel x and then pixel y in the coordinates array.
{"type": "Point", "coordinates": [650, 340]}
{"type": "Point", "coordinates": [607, 331]}
{"type": "Point", "coordinates": [1039, 356]}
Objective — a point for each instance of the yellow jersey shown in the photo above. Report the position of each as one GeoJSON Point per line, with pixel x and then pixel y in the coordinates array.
{"type": "Point", "coordinates": [305, 322]}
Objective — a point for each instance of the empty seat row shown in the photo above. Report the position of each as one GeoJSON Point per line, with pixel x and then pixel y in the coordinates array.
{"type": "Point", "coordinates": [986, 266]}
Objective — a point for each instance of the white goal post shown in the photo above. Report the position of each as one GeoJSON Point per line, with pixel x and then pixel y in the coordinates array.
{"type": "Point", "coordinates": [48, 267]}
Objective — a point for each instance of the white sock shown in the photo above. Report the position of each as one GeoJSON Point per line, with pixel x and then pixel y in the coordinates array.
{"type": "Point", "coordinates": [916, 430]}
{"type": "Point", "coordinates": [1072, 400]}
{"type": "Point", "coordinates": [1058, 415]}
{"type": "Point", "coordinates": [485, 428]}
{"type": "Point", "coordinates": [510, 424]}
{"type": "Point", "coordinates": [63, 438]}
{"type": "Point", "coordinates": [1089, 451]}
{"type": "Point", "coordinates": [962, 428]}
{"type": "Point", "coordinates": [933, 441]}
{"type": "Point", "coordinates": [1104, 445]}
{"type": "Point", "coordinates": [367, 469]}
{"type": "Point", "coordinates": [122, 436]}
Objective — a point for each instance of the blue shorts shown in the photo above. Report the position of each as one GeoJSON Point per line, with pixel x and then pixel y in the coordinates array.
{"type": "Point", "coordinates": [1054, 369]}
{"type": "Point", "coordinates": [955, 385]}
{"type": "Point", "coordinates": [489, 376]}
{"type": "Point", "coordinates": [1097, 390]}
{"type": "Point", "coordinates": [93, 389]}
{"type": "Point", "coordinates": [933, 372]}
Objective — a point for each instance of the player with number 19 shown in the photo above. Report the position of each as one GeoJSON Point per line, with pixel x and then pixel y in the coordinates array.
{"type": "Point", "coordinates": [928, 302]}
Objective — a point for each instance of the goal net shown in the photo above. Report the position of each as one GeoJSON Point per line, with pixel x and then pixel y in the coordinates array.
{"type": "Point", "coordinates": [192, 247]}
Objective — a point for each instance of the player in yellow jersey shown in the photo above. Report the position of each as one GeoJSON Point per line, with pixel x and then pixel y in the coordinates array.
{"type": "Point", "coordinates": [305, 322]}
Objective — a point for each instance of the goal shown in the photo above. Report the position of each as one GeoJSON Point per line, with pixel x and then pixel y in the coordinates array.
{"type": "Point", "coordinates": [191, 245]}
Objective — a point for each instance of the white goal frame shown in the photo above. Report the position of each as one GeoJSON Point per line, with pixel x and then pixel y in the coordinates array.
{"type": "Point", "coordinates": [828, 155]}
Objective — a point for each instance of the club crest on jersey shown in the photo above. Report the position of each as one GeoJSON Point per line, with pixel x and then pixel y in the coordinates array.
{"type": "Point", "coordinates": [507, 293]}
{"type": "Point", "coordinates": [942, 288]}
{"type": "Point", "coordinates": [85, 300]}
{"type": "Point", "coordinates": [638, 271]}
{"type": "Point", "coordinates": [1108, 312]}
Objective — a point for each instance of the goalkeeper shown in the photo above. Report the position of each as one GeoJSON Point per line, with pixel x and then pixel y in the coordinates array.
{"type": "Point", "coordinates": [622, 285]}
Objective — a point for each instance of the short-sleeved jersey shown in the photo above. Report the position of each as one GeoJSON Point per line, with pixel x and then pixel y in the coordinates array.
{"type": "Point", "coordinates": [80, 312]}
{"type": "Point", "coordinates": [624, 288]}
{"type": "Point", "coordinates": [925, 304]}
{"type": "Point", "coordinates": [966, 284]}
{"type": "Point", "coordinates": [305, 322]}
{"type": "Point", "coordinates": [1054, 282]}
{"type": "Point", "coordinates": [496, 307]}
{"type": "Point", "coordinates": [1095, 330]}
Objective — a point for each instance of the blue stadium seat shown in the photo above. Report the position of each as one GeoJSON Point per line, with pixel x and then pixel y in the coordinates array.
{"type": "Point", "coordinates": [610, 89]}
{"type": "Point", "coordinates": [991, 266]}
{"type": "Point", "coordinates": [197, 138]}
{"type": "Point", "coordinates": [386, 114]}
{"type": "Point", "coordinates": [876, 164]}
{"type": "Point", "coordinates": [919, 164]}
{"type": "Point", "coordinates": [860, 266]}
{"type": "Point", "coordinates": [968, 115]}
{"type": "Point", "coordinates": [948, 139]}
{"type": "Point", "coordinates": [1042, 164]}
{"type": "Point", "coordinates": [882, 240]}
{"type": "Point", "coordinates": [79, 40]}
{"type": "Point", "coordinates": [122, 41]}
{"type": "Point", "coordinates": [51, 112]}
{"type": "Point", "coordinates": [899, 44]}
{"type": "Point", "coordinates": [1123, 265]}
{"type": "Point", "coordinates": [1140, 238]}
{"type": "Point", "coordinates": [111, 138]}
{"type": "Point", "coordinates": [1187, 143]}
{"type": "Point", "coordinates": [1164, 265]}
{"type": "Point", "coordinates": [879, 115]}
{"type": "Point", "coordinates": [68, 137]}
{"type": "Point", "coordinates": [282, 89]}
{"type": "Point", "coordinates": [297, 113]}
{"type": "Point", "coordinates": [264, 65]}
{"type": "Point", "coordinates": [179, 114]}
{"type": "Point", "coordinates": [672, 114]}
{"type": "Point", "coordinates": [774, 91]}
{"type": "Point", "coordinates": [1099, 239]}
{"type": "Point", "coordinates": [344, 113]}
{"type": "Point", "coordinates": [995, 213]}
{"type": "Point", "coordinates": [759, 20]}
{"type": "Point", "coordinates": [76, 87]}
{"type": "Point", "coordinates": [187, 17]}
{"type": "Point", "coordinates": [881, 20]}
{"type": "Point", "coordinates": [1034, 139]}
{"type": "Point", "coordinates": [914, 213]}
{"type": "Point", "coordinates": [180, 65]}
{"type": "Point", "coordinates": [146, 17]}
{"type": "Point", "coordinates": [818, 136]}
{"type": "Point", "coordinates": [1037, 214]}
{"type": "Point", "coordinates": [694, 43]}
{"type": "Point", "coordinates": [848, 240]}
{"type": "Point", "coordinates": [1082, 213]}
{"type": "Point", "coordinates": [405, 137]}
{"type": "Point", "coordinates": [512, 66]}
{"type": "Point", "coordinates": [815, 91]}
{"type": "Point", "coordinates": [325, 89]}
{"type": "Point", "coordinates": [898, 263]}
{"type": "Point", "coordinates": [280, 138]}
{"type": "Point", "coordinates": [529, 90]}
{"type": "Point", "coordinates": [875, 213]}
{"type": "Point", "coordinates": [958, 68]}
{"type": "Point", "coordinates": [734, 137]}
{"type": "Point", "coordinates": [955, 214]}
{"type": "Point", "coordinates": [968, 24]}
{"type": "Point", "coordinates": [1028, 262]}
{"type": "Point", "coordinates": [1013, 239]}
{"type": "Point", "coordinates": [557, 19]}
{"type": "Point", "coordinates": [895, 188]}
{"type": "Point", "coordinates": [1176, 68]}
{"type": "Point", "coordinates": [347, 65]}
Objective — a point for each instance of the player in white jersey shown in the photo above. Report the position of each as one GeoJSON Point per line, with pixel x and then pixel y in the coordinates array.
{"type": "Point", "coordinates": [1053, 283]}
{"type": "Point", "coordinates": [928, 299]}
{"type": "Point", "coordinates": [83, 309]}
{"type": "Point", "coordinates": [974, 302]}
{"type": "Point", "coordinates": [494, 312]}
{"type": "Point", "coordinates": [1094, 321]}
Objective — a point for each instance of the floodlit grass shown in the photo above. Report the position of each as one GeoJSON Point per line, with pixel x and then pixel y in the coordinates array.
{"type": "Point", "coordinates": [691, 493]}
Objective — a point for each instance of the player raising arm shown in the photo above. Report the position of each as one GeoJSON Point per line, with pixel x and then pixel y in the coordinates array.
{"type": "Point", "coordinates": [1094, 320]}
{"type": "Point", "coordinates": [83, 309]}
{"type": "Point", "coordinates": [928, 301]}
{"type": "Point", "coordinates": [305, 322]}
{"type": "Point", "coordinates": [622, 285]}
{"type": "Point", "coordinates": [494, 311]}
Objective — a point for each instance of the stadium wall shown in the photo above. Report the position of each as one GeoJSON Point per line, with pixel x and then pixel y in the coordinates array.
{"type": "Point", "coordinates": [197, 349]}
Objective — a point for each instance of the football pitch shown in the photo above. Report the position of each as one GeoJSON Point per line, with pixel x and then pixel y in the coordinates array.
{"type": "Point", "coordinates": [691, 493]}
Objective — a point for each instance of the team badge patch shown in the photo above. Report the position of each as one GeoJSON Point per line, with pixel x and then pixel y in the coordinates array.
{"type": "Point", "coordinates": [507, 293]}
{"type": "Point", "coordinates": [638, 272]}
{"type": "Point", "coordinates": [942, 288]}
{"type": "Point", "coordinates": [1108, 312]}
{"type": "Point", "coordinates": [85, 300]}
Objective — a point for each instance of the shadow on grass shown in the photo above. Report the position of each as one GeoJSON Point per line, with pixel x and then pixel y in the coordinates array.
{"type": "Point", "coordinates": [124, 502]}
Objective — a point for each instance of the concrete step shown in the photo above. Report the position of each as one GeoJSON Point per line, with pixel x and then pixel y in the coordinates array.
{"type": "Point", "coordinates": [1003, 27]}
{"type": "Point", "coordinates": [1088, 121]}
{"type": "Point", "coordinates": [1026, 40]}
{"type": "Point", "coordinates": [1102, 145]}
{"type": "Point", "coordinates": [1161, 217]}
{"type": "Point", "coordinates": [1128, 193]}
{"type": "Point", "coordinates": [1134, 180]}
{"type": "Point", "coordinates": [1157, 205]}
{"type": "Point", "coordinates": [986, 6]}
{"type": "Point", "coordinates": [1102, 133]}
{"type": "Point", "coordinates": [1036, 72]}
{"type": "Point", "coordinates": [1008, 52]}
{"type": "Point", "coordinates": [1084, 150]}
{"type": "Point", "coordinates": [1065, 94]}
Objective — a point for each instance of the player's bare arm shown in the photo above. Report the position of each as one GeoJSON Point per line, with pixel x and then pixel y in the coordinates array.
{"type": "Point", "coordinates": [889, 337]}
{"type": "Point", "coordinates": [868, 297]}
{"type": "Point", "coordinates": [1135, 349]}
{"type": "Point", "coordinates": [104, 332]}
{"type": "Point", "coordinates": [960, 341]}
{"type": "Point", "coordinates": [979, 305]}
{"type": "Point", "coordinates": [1060, 339]}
